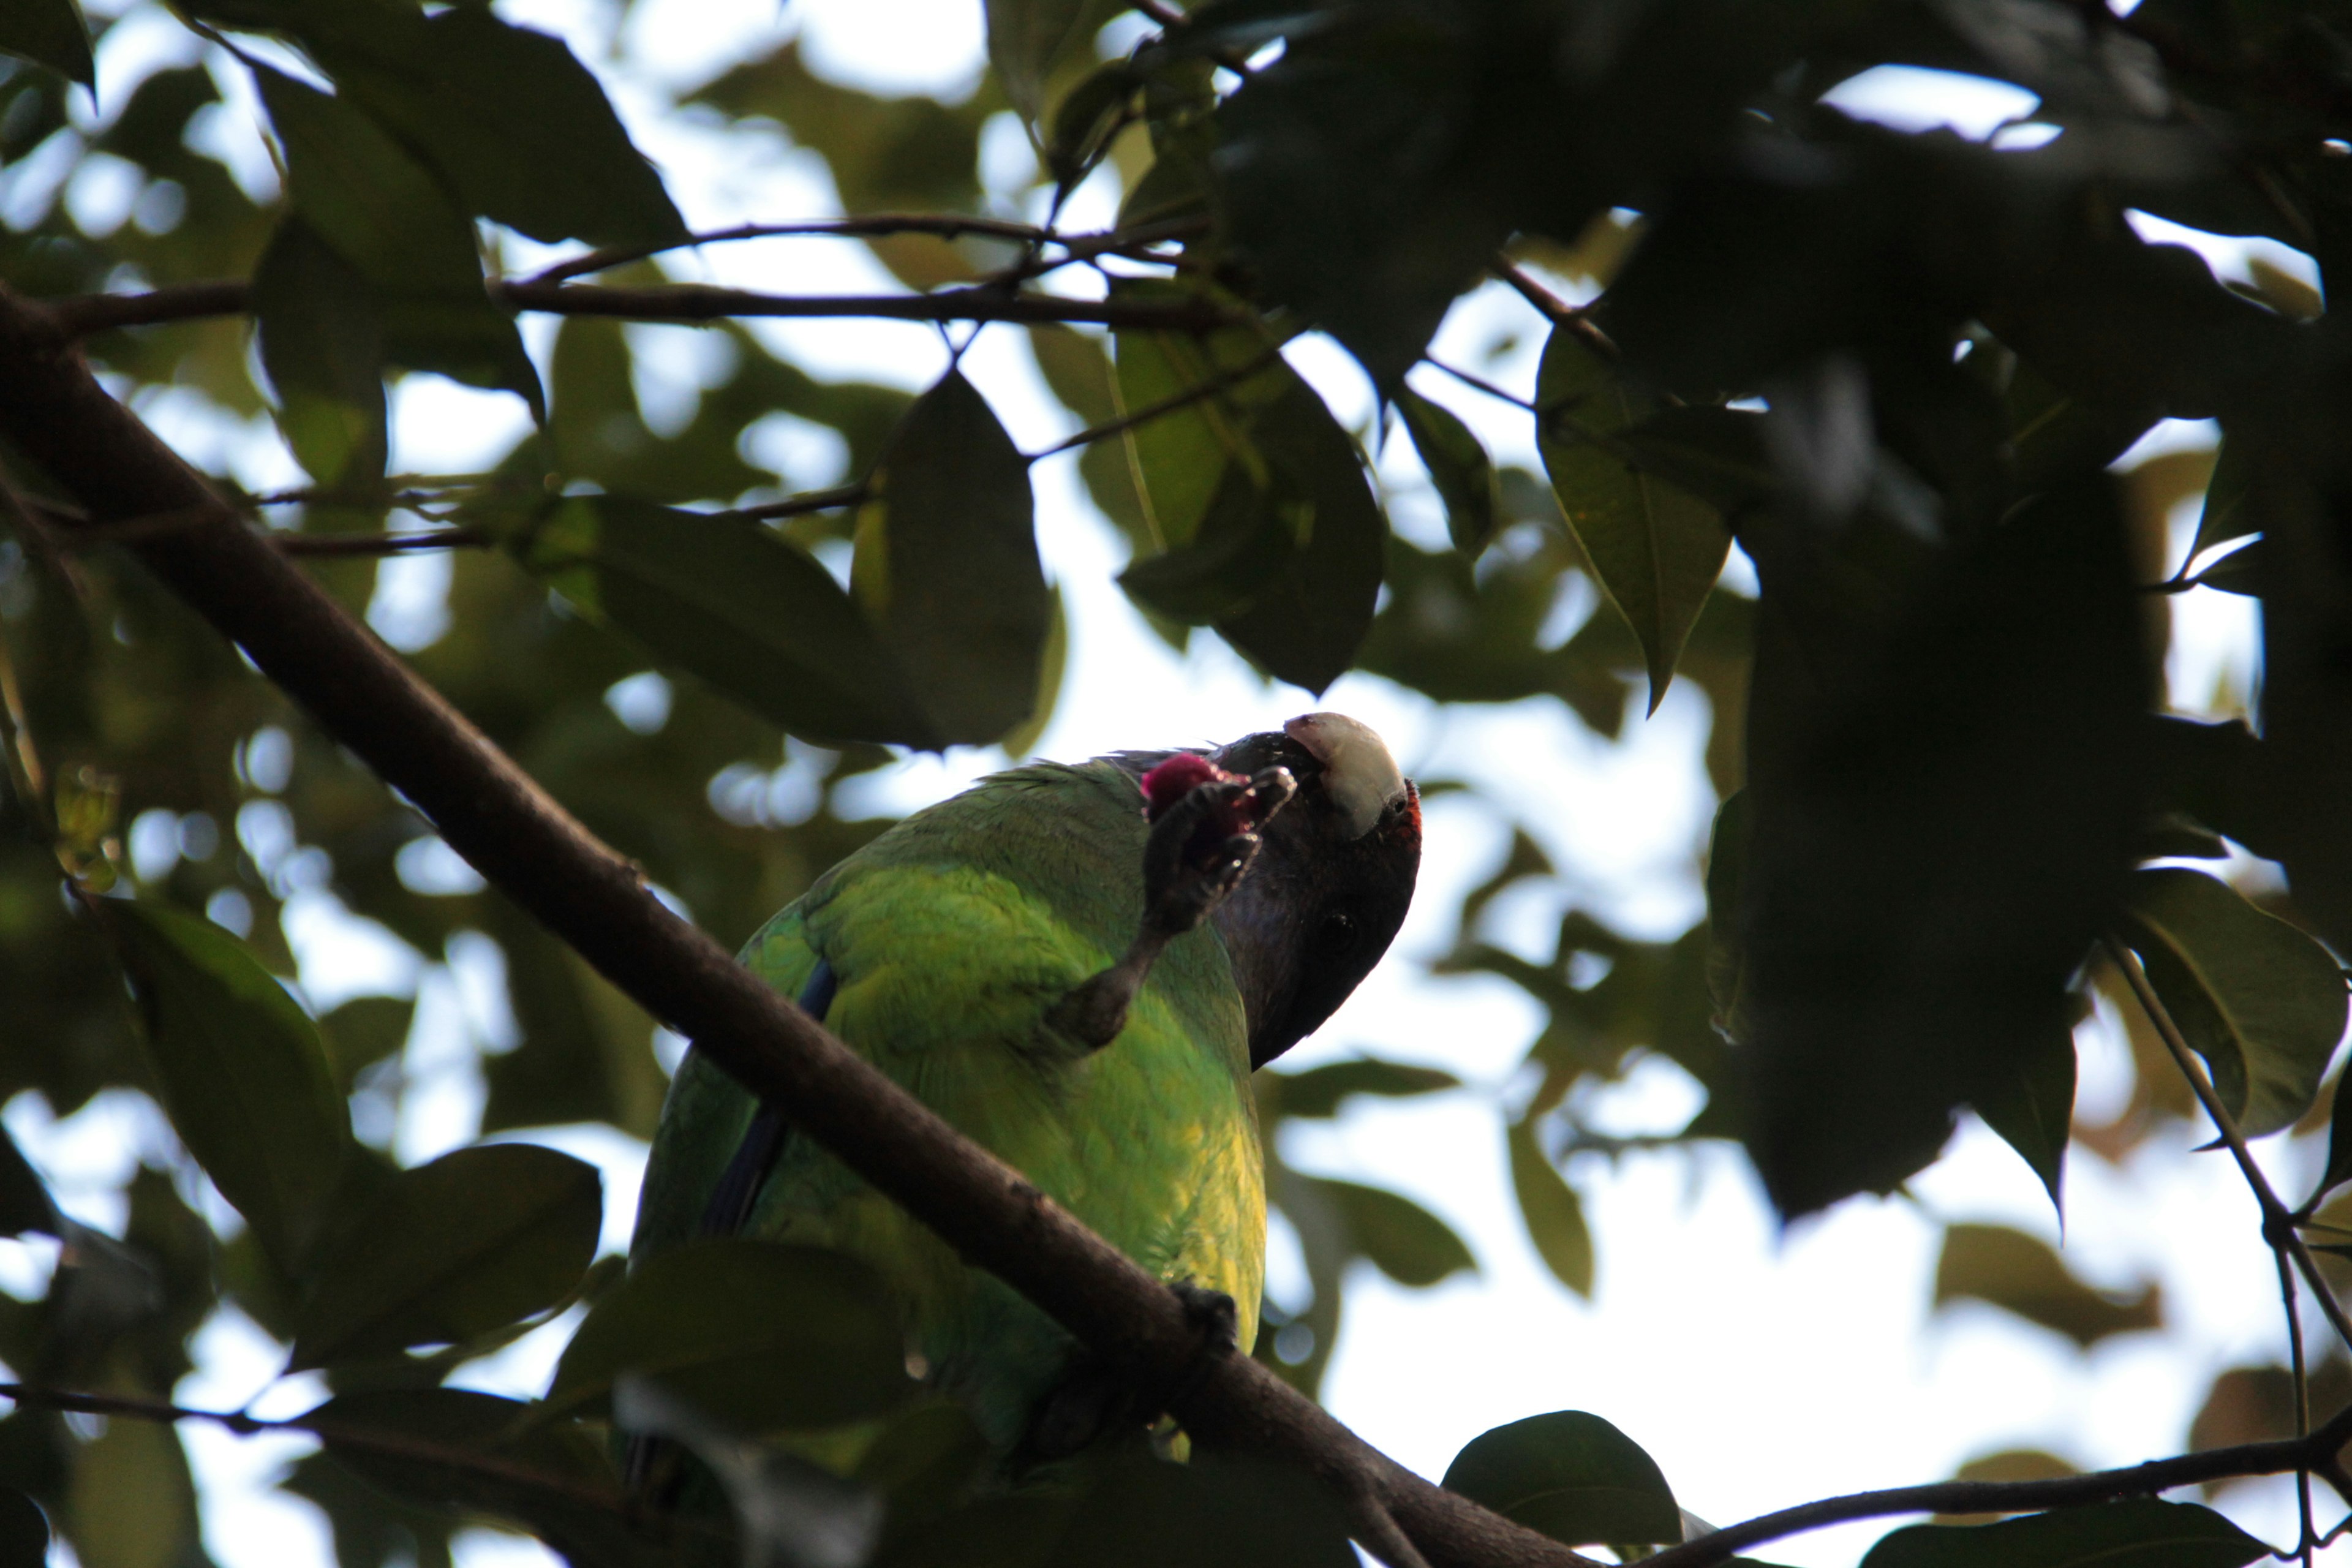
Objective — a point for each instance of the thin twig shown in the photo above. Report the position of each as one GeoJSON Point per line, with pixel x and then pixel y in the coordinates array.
{"type": "Point", "coordinates": [865, 226]}
{"type": "Point", "coordinates": [1480, 383]}
{"type": "Point", "coordinates": [2271, 1459]}
{"type": "Point", "coordinates": [315, 544]}
{"type": "Point", "coordinates": [2278, 1220]}
{"type": "Point", "coordinates": [1190, 396]}
{"type": "Point", "coordinates": [814, 500]}
{"type": "Point", "coordinates": [1555, 310]}
{"type": "Point", "coordinates": [82, 314]}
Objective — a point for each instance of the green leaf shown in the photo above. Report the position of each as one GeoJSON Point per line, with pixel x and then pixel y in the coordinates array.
{"type": "Point", "coordinates": [473, 1241]}
{"type": "Point", "coordinates": [132, 1502]}
{"type": "Point", "coordinates": [508, 115]}
{"type": "Point", "coordinates": [1571, 1476]}
{"type": "Point", "coordinates": [1656, 548]}
{"type": "Point", "coordinates": [1404, 1240]}
{"type": "Point", "coordinates": [24, 1529]}
{"type": "Point", "coordinates": [362, 1032]}
{"type": "Point", "coordinates": [1458, 466]}
{"type": "Point", "coordinates": [946, 570]}
{"type": "Point", "coordinates": [1180, 457]}
{"type": "Point", "coordinates": [736, 604]}
{"type": "Point", "coordinates": [50, 33]}
{"type": "Point", "coordinates": [1023, 36]}
{"type": "Point", "coordinates": [2021, 1274]}
{"type": "Point", "coordinates": [242, 1074]}
{"type": "Point", "coordinates": [756, 1335]}
{"type": "Point", "coordinates": [323, 343]}
{"type": "Point", "coordinates": [387, 217]}
{"type": "Point", "coordinates": [1551, 1210]}
{"type": "Point", "coordinates": [1248, 535]}
{"type": "Point", "coordinates": [2262, 1004]}
{"type": "Point", "coordinates": [1319, 1092]}
{"type": "Point", "coordinates": [2033, 1107]}
{"type": "Point", "coordinates": [24, 1202]}
{"type": "Point", "coordinates": [2138, 1533]}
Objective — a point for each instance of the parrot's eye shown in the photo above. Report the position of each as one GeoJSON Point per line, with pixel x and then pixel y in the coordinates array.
{"type": "Point", "coordinates": [1336, 935]}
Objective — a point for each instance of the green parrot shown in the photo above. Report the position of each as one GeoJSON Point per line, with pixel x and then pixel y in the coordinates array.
{"type": "Point", "coordinates": [1008, 956]}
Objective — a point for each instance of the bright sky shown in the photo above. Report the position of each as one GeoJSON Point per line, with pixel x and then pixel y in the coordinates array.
{"type": "Point", "coordinates": [1759, 1369]}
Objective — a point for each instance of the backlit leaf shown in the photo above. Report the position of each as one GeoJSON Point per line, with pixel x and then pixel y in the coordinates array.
{"type": "Point", "coordinates": [1023, 36]}
{"type": "Point", "coordinates": [1404, 1240]}
{"type": "Point", "coordinates": [1320, 1091]}
{"type": "Point", "coordinates": [754, 1334]}
{"type": "Point", "coordinates": [242, 1074]}
{"type": "Point", "coordinates": [2021, 1274]}
{"type": "Point", "coordinates": [1458, 466]}
{"type": "Point", "coordinates": [2137, 1533]}
{"type": "Point", "coordinates": [1570, 1475]}
{"type": "Point", "coordinates": [323, 343]}
{"type": "Point", "coordinates": [2262, 1004]}
{"type": "Point", "coordinates": [2033, 1110]}
{"type": "Point", "coordinates": [735, 603]}
{"type": "Point", "coordinates": [133, 1503]}
{"type": "Point", "coordinates": [50, 33]}
{"type": "Point", "coordinates": [1656, 548]}
{"type": "Point", "coordinates": [1551, 1210]}
{"type": "Point", "coordinates": [477, 1239]}
{"type": "Point", "coordinates": [947, 571]}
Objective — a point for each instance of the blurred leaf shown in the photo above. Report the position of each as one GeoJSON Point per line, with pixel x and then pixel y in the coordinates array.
{"type": "Point", "coordinates": [2008, 1465]}
{"type": "Point", "coordinates": [507, 116]}
{"type": "Point", "coordinates": [50, 33]}
{"type": "Point", "coordinates": [24, 1202]}
{"type": "Point", "coordinates": [735, 603]}
{"type": "Point", "coordinates": [1458, 466]}
{"type": "Point", "coordinates": [243, 1073]}
{"type": "Point", "coordinates": [927, 1461]}
{"type": "Point", "coordinates": [1657, 548]}
{"type": "Point", "coordinates": [371, 1530]}
{"type": "Point", "coordinates": [2225, 515]}
{"type": "Point", "coordinates": [754, 1334]}
{"type": "Point", "coordinates": [2020, 1274]}
{"type": "Point", "coordinates": [1726, 971]}
{"type": "Point", "coordinates": [2033, 1111]}
{"type": "Point", "coordinates": [2142, 1531]}
{"type": "Point", "coordinates": [1023, 36]}
{"type": "Point", "coordinates": [387, 217]}
{"type": "Point", "coordinates": [362, 1032]}
{"type": "Point", "coordinates": [477, 1239]}
{"type": "Point", "coordinates": [1219, 1512]}
{"type": "Point", "coordinates": [1404, 1241]}
{"type": "Point", "coordinates": [2261, 1001]}
{"type": "Point", "coordinates": [322, 344]}
{"type": "Point", "coordinates": [133, 1503]}
{"type": "Point", "coordinates": [1551, 1210]}
{"type": "Point", "coordinates": [24, 1530]}
{"type": "Point", "coordinates": [1319, 1092]}
{"type": "Point", "coordinates": [946, 570]}
{"type": "Point", "coordinates": [587, 1050]}
{"type": "Point", "coordinates": [1015, 1531]}
{"type": "Point", "coordinates": [1571, 1476]}
{"type": "Point", "coordinates": [2257, 1405]}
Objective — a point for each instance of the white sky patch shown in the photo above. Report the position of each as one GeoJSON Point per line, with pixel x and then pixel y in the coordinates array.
{"type": "Point", "coordinates": [1909, 98]}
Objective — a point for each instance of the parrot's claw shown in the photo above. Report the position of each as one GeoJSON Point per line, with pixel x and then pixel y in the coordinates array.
{"type": "Point", "coordinates": [1200, 846]}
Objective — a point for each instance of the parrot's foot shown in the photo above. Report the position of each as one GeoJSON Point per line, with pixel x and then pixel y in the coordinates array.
{"type": "Point", "coordinates": [1096, 1398]}
{"type": "Point", "coordinates": [1205, 826]}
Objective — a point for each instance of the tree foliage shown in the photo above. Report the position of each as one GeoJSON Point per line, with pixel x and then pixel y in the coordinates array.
{"type": "Point", "coordinates": [1894, 369]}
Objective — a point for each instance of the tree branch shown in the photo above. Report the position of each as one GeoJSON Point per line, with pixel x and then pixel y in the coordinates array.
{"type": "Point", "coordinates": [512, 832]}
{"type": "Point", "coordinates": [80, 315]}
{"type": "Point", "coordinates": [1169, 405]}
{"type": "Point", "coordinates": [2316, 1451]}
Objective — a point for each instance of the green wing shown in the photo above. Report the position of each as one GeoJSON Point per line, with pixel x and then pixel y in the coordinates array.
{"type": "Point", "coordinates": [951, 936]}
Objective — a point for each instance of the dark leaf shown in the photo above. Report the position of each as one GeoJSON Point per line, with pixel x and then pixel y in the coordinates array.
{"type": "Point", "coordinates": [476, 1240]}
{"type": "Point", "coordinates": [1024, 37]}
{"type": "Point", "coordinates": [1017, 1532]}
{"type": "Point", "coordinates": [24, 1530]}
{"type": "Point", "coordinates": [2015, 1272]}
{"type": "Point", "coordinates": [1551, 1210]}
{"type": "Point", "coordinates": [1320, 1091]}
{"type": "Point", "coordinates": [132, 1502]}
{"type": "Point", "coordinates": [1404, 1240]}
{"type": "Point", "coordinates": [362, 1032]}
{"type": "Point", "coordinates": [2226, 515]}
{"type": "Point", "coordinates": [2007, 1465]}
{"type": "Point", "coordinates": [244, 1076]}
{"type": "Point", "coordinates": [1570, 1475]}
{"type": "Point", "coordinates": [946, 570]}
{"type": "Point", "coordinates": [1656, 548]}
{"type": "Point", "coordinates": [2261, 1001]}
{"type": "Point", "coordinates": [735, 603]}
{"type": "Point", "coordinates": [1458, 466]}
{"type": "Point", "coordinates": [24, 1202]}
{"type": "Point", "coordinates": [322, 344]}
{"type": "Point", "coordinates": [756, 1335]}
{"type": "Point", "coordinates": [2034, 1109]}
{"type": "Point", "coordinates": [50, 33]}
{"type": "Point", "coordinates": [1219, 1512]}
{"type": "Point", "coordinates": [2142, 1533]}
{"type": "Point", "coordinates": [390, 219]}
{"type": "Point", "coordinates": [509, 117]}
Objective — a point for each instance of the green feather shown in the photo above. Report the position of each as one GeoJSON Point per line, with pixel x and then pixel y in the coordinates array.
{"type": "Point", "coordinates": [951, 935]}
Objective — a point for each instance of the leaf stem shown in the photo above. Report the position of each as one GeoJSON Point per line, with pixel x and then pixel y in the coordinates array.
{"type": "Point", "coordinates": [1190, 396]}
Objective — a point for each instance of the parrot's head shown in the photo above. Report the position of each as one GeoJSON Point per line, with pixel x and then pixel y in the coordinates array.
{"type": "Point", "coordinates": [1330, 887]}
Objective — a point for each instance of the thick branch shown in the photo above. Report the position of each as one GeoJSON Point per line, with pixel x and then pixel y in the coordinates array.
{"type": "Point", "coordinates": [80, 315]}
{"type": "Point", "coordinates": [495, 816]}
{"type": "Point", "coordinates": [2315, 1452]}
